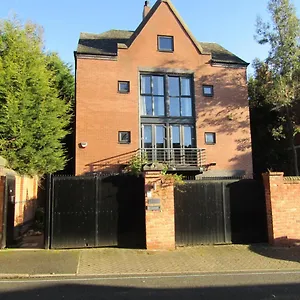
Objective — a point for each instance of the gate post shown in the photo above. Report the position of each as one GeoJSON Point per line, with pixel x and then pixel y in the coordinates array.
{"type": "Point", "coordinates": [159, 205]}
{"type": "Point", "coordinates": [48, 212]}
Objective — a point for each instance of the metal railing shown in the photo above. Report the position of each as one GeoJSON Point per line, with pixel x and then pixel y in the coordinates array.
{"type": "Point", "coordinates": [194, 157]}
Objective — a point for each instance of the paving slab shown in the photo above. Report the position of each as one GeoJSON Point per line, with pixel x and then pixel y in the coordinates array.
{"type": "Point", "coordinates": [188, 260]}
{"type": "Point", "coordinates": [38, 262]}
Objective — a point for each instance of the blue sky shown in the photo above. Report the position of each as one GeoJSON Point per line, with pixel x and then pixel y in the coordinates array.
{"type": "Point", "coordinates": [230, 23]}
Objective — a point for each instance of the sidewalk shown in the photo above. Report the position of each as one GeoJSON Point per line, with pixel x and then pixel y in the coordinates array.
{"type": "Point", "coordinates": [111, 261]}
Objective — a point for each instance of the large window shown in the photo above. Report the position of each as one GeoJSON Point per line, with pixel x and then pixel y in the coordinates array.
{"type": "Point", "coordinates": [166, 95]}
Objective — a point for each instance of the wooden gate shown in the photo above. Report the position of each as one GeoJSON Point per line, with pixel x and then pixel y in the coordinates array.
{"type": "Point", "coordinates": [96, 211]}
{"type": "Point", "coordinates": [220, 211]}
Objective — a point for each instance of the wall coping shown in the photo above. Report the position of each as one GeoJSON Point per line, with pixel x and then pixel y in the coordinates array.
{"type": "Point", "coordinates": [275, 173]}
{"type": "Point", "coordinates": [292, 178]}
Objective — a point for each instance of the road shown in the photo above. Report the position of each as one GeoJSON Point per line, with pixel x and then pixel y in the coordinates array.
{"type": "Point", "coordinates": [241, 286]}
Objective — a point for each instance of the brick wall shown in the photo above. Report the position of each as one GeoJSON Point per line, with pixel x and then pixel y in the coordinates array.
{"type": "Point", "coordinates": [283, 208]}
{"type": "Point", "coordinates": [160, 224]}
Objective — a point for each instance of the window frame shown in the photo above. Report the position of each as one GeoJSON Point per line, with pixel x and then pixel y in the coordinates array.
{"type": "Point", "coordinates": [123, 81]}
{"type": "Point", "coordinates": [167, 97]}
{"type": "Point", "coordinates": [214, 138]}
{"type": "Point", "coordinates": [208, 86]}
{"type": "Point", "coordinates": [120, 137]}
{"type": "Point", "coordinates": [165, 50]}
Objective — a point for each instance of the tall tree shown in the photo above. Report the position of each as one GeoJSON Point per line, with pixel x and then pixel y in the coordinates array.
{"type": "Point", "coordinates": [282, 35]}
{"type": "Point", "coordinates": [33, 118]}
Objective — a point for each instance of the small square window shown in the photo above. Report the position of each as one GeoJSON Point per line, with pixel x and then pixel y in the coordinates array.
{"type": "Point", "coordinates": [208, 90]}
{"type": "Point", "coordinates": [124, 137]}
{"type": "Point", "coordinates": [123, 87]}
{"type": "Point", "coordinates": [165, 43]}
{"type": "Point", "coordinates": [210, 138]}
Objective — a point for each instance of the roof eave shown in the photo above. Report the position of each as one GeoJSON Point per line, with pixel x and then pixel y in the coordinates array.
{"type": "Point", "coordinates": [242, 64]}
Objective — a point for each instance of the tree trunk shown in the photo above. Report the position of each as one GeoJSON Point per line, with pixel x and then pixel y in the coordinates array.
{"type": "Point", "coordinates": [290, 137]}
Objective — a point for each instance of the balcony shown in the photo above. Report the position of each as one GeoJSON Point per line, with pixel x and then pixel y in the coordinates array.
{"type": "Point", "coordinates": [176, 157]}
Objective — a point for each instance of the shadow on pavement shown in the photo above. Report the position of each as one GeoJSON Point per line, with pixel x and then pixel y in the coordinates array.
{"type": "Point", "coordinates": [77, 291]}
{"type": "Point", "coordinates": [282, 253]}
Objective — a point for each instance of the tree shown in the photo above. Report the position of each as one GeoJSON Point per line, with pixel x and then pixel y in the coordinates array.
{"type": "Point", "coordinates": [268, 141]}
{"type": "Point", "coordinates": [33, 118]}
{"type": "Point", "coordinates": [282, 35]}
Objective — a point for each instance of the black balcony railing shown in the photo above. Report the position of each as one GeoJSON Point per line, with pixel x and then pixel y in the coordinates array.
{"type": "Point", "coordinates": [193, 157]}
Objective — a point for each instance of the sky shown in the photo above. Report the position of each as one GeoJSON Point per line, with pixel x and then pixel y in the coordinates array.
{"type": "Point", "coordinates": [230, 23]}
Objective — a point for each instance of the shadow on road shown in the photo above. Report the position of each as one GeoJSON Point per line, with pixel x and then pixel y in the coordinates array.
{"type": "Point", "coordinates": [76, 291]}
{"type": "Point", "coordinates": [282, 253]}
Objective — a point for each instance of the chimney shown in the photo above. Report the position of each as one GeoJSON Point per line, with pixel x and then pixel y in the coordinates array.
{"type": "Point", "coordinates": [146, 9]}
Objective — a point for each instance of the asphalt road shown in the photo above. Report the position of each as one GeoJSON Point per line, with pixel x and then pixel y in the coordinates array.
{"type": "Point", "coordinates": [241, 286]}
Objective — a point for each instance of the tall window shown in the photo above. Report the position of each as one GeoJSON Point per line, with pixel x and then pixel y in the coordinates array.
{"type": "Point", "coordinates": [166, 95]}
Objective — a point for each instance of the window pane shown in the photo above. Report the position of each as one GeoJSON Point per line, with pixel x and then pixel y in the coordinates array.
{"type": "Point", "coordinates": [185, 86]}
{"type": "Point", "coordinates": [146, 106]}
{"type": "Point", "coordinates": [160, 136]}
{"type": "Point", "coordinates": [186, 107]}
{"type": "Point", "coordinates": [208, 90]}
{"type": "Point", "coordinates": [147, 136]}
{"type": "Point", "coordinates": [165, 43]}
{"type": "Point", "coordinates": [174, 86]}
{"type": "Point", "coordinates": [123, 86]}
{"type": "Point", "coordinates": [174, 107]}
{"type": "Point", "coordinates": [145, 84]}
{"type": "Point", "coordinates": [175, 136]}
{"type": "Point", "coordinates": [159, 106]}
{"type": "Point", "coordinates": [188, 136]}
{"type": "Point", "coordinates": [210, 138]}
{"type": "Point", "coordinates": [124, 137]}
{"type": "Point", "coordinates": [158, 85]}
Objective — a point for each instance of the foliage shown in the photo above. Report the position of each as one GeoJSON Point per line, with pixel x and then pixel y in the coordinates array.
{"type": "Point", "coordinates": [276, 85]}
{"type": "Point", "coordinates": [136, 164]}
{"type": "Point", "coordinates": [176, 178]}
{"type": "Point", "coordinates": [34, 115]}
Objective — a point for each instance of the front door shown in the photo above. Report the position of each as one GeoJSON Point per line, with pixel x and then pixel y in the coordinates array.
{"type": "Point", "coordinates": [154, 141]}
{"type": "Point", "coordinates": [182, 144]}
{"type": "Point", "coordinates": [170, 143]}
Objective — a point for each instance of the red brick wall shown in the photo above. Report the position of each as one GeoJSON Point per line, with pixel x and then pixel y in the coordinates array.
{"type": "Point", "coordinates": [101, 111]}
{"type": "Point", "coordinates": [160, 225]}
{"type": "Point", "coordinates": [283, 208]}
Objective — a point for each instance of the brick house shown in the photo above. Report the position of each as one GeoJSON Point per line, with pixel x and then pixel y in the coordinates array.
{"type": "Point", "coordinates": [159, 91]}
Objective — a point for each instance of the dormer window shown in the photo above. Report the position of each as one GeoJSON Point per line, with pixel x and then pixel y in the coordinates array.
{"type": "Point", "coordinates": [165, 43]}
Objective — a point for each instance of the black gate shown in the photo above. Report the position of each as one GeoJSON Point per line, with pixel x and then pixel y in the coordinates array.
{"type": "Point", "coordinates": [8, 212]}
{"type": "Point", "coordinates": [202, 213]}
{"type": "Point", "coordinates": [97, 211]}
{"type": "Point", "coordinates": [220, 211]}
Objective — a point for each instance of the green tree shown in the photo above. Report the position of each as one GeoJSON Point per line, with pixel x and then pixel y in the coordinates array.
{"type": "Point", "coordinates": [282, 90]}
{"type": "Point", "coordinates": [33, 118]}
{"type": "Point", "coordinates": [268, 141]}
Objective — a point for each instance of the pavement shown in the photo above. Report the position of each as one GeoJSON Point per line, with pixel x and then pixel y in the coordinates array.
{"type": "Point", "coordinates": [21, 263]}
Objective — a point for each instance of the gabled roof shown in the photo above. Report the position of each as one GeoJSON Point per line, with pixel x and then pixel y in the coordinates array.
{"type": "Point", "coordinates": [175, 12]}
{"type": "Point", "coordinates": [107, 44]}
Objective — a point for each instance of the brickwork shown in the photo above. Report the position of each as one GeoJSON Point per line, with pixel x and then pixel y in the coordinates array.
{"type": "Point", "coordinates": [160, 224]}
{"type": "Point", "coordinates": [283, 208]}
{"type": "Point", "coordinates": [101, 111]}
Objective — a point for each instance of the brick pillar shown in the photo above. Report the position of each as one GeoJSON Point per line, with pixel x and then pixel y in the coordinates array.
{"type": "Point", "coordinates": [160, 218]}
{"type": "Point", "coordinates": [273, 182]}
